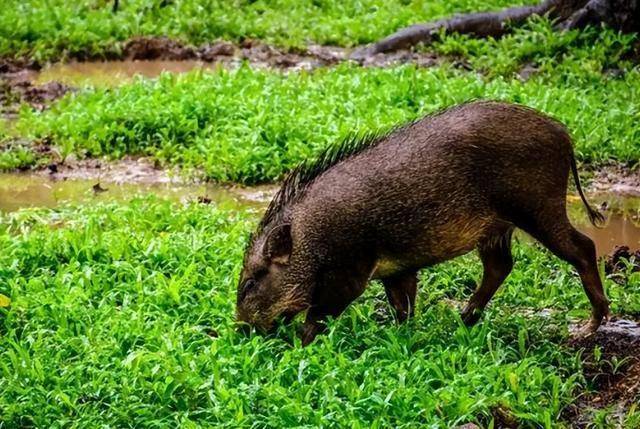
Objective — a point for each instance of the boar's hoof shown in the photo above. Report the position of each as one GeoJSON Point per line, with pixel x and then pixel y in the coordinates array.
{"type": "Point", "coordinates": [471, 315]}
{"type": "Point", "coordinates": [591, 327]}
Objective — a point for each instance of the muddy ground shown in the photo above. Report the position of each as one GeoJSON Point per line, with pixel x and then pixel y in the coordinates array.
{"type": "Point", "coordinates": [613, 372]}
{"type": "Point", "coordinates": [620, 262]}
{"type": "Point", "coordinates": [17, 75]}
{"type": "Point", "coordinates": [253, 51]}
{"type": "Point", "coordinates": [616, 178]}
{"type": "Point", "coordinates": [126, 170]}
{"type": "Point", "coordinates": [17, 88]}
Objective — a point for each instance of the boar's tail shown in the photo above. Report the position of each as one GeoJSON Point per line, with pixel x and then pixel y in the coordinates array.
{"type": "Point", "coordinates": [595, 217]}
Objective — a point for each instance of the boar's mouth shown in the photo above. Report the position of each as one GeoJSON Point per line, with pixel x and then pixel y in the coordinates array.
{"type": "Point", "coordinates": [288, 316]}
{"type": "Point", "coordinates": [283, 318]}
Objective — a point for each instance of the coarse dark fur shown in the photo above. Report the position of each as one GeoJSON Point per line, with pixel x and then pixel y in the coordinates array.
{"type": "Point", "coordinates": [384, 206]}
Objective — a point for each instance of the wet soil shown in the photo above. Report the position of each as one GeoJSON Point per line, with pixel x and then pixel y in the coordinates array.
{"type": "Point", "coordinates": [26, 81]}
{"type": "Point", "coordinates": [128, 170]}
{"type": "Point", "coordinates": [620, 262]}
{"type": "Point", "coordinates": [253, 51]}
{"type": "Point", "coordinates": [619, 179]}
{"type": "Point", "coordinates": [17, 88]}
{"type": "Point", "coordinates": [612, 368]}
{"type": "Point", "coordinates": [621, 229]}
{"type": "Point", "coordinates": [113, 73]}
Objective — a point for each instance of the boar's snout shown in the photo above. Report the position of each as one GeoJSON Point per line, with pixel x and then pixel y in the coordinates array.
{"type": "Point", "coordinates": [246, 324]}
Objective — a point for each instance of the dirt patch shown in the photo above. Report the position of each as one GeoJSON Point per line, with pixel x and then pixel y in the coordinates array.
{"type": "Point", "coordinates": [261, 54]}
{"type": "Point", "coordinates": [612, 367]}
{"type": "Point", "coordinates": [620, 262]}
{"type": "Point", "coordinates": [18, 87]}
{"type": "Point", "coordinates": [255, 52]}
{"type": "Point", "coordinates": [620, 179]}
{"type": "Point", "coordinates": [130, 170]}
{"type": "Point", "coordinates": [18, 76]}
{"type": "Point", "coordinates": [150, 48]}
{"type": "Point", "coordinates": [38, 189]}
{"type": "Point", "coordinates": [15, 65]}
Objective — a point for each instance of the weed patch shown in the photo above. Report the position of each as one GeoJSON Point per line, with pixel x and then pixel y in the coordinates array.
{"type": "Point", "coordinates": [122, 314]}
{"type": "Point", "coordinates": [252, 126]}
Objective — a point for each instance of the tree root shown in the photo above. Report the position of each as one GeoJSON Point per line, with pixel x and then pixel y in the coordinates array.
{"type": "Point", "coordinates": [622, 15]}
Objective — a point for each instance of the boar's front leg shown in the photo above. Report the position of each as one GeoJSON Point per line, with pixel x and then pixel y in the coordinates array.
{"type": "Point", "coordinates": [497, 262]}
{"type": "Point", "coordinates": [332, 295]}
{"type": "Point", "coordinates": [401, 292]}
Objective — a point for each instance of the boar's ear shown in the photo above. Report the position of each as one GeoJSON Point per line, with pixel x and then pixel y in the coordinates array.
{"type": "Point", "coordinates": [278, 245]}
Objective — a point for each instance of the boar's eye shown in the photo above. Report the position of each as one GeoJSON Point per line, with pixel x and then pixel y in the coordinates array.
{"type": "Point", "coordinates": [248, 286]}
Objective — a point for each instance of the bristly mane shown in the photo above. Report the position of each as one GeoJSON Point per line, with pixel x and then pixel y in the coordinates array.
{"type": "Point", "coordinates": [300, 178]}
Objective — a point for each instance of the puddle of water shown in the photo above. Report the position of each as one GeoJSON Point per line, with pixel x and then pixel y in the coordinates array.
{"type": "Point", "coordinates": [31, 190]}
{"type": "Point", "coordinates": [622, 225]}
{"type": "Point", "coordinates": [620, 230]}
{"type": "Point", "coordinates": [26, 190]}
{"type": "Point", "coordinates": [112, 73]}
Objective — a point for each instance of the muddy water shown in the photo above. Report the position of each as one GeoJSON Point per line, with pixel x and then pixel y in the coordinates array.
{"type": "Point", "coordinates": [26, 190]}
{"type": "Point", "coordinates": [620, 230]}
{"type": "Point", "coordinates": [30, 190]}
{"type": "Point", "coordinates": [112, 73]}
{"type": "Point", "coordinates": [622, 225]}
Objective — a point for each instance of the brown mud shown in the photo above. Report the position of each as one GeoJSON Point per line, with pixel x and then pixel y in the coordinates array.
{"type": "Point", "coordinates": [17, 88]}
{"type": "Point", "coordinates": [621, 229]}
{"type": "Point", "coordinates": [113, 73]}
{"type": "Point", "coordinates": [128, 170]}
{"type": "Point", "coordinates": [620, 262]}
{"type": "Point", "coordinates": [611, 365]}
{"type": "Point", "coordinates": [619, 179]}
{"type": "Point", "coordinates": [26, 81]}
{"type": "Point", "coordinates": [253, 51]}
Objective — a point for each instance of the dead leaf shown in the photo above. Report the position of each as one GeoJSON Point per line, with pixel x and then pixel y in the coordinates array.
{"type": "Point", "coordinates": [5, 301]}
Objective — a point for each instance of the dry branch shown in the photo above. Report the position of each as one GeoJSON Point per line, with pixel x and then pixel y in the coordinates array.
{"type": "Point", "coordinates": [618, 14]}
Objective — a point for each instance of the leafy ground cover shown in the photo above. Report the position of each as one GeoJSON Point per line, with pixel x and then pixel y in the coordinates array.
{"type": "Point", "coordinates": [538, 48]}
{"type": "Point", "coordinates": [50, 29]}
{"type": "Point", "coordinates": [252, 126]}
{"type": "Point", "coordinates": [122, 315]}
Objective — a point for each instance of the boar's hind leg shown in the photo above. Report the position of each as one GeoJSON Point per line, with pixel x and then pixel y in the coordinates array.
{"type": "Point", "coordinates": [569, 244]}
{"type": "Point", "coordinates": [401, 291]}
{"type": "Point", "coordinates": [495, 253]}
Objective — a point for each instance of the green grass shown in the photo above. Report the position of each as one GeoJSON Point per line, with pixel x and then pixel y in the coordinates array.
{"type": "Point", "coordinates": [18, 158]}
{"type": "Point", "coordinates": [50, 29]}
{"type": "Point", "coordinates": [588, 52]}
{"type": "Point", "coordinates": [122, 316]}
{"type": "Point", "coordinates": [121, 313]}
{"type": "Point", "coordinates": [252, 126]}
{"type": "Point", "coordinates": [14, 155]}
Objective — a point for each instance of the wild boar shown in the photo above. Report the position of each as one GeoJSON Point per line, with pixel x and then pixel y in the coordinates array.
{"type": "Point", "coordinates": [385, 206]}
